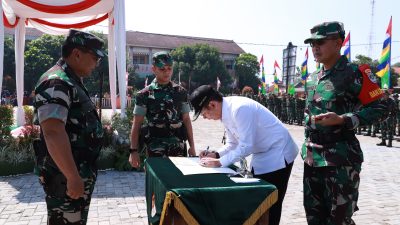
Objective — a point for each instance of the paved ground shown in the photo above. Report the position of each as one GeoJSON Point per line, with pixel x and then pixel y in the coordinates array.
{"type": "Point", "coordinates": [119, 196]}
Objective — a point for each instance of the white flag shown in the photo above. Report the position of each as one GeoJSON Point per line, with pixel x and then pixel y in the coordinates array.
{"type": "Point", "coordinates": [218, 83]}
{"type": "Point", "coordinates": [126, 78]}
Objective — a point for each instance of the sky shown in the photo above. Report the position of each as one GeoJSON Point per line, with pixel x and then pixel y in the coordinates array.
{"type": "Point", "coordinates": [265, 27]}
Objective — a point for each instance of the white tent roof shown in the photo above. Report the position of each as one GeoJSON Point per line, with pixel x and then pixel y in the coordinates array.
{"type": "Point", "coordinates": [56, 17]}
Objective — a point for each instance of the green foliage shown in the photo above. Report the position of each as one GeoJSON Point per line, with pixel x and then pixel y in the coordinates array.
{"type": "Point", "coordinates": [6, 121]}
{"type": "Point", "coordinates": [247, 68]}
{"type": "Point", "coordinates": [14, 153]}
{"type": "Point", "coordinates": [9, 65]}
{"type": "Point", "coordinates": [40, 55]}
{"type": "Point", "coordinates": [361, 59]}
{"type": "Point", "coordinates": [200, 64]}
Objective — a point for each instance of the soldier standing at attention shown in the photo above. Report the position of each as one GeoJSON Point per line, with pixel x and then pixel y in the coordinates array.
{"type": "Point", "coordinates": [166, 108]}
{"type": "Point", "coordinates": [331, 152]}
{"type": "Point", "coordinates": [388, 126]}
{"type": "Point", "coordinates": [396, 101]}
{"type": "Point", "coordinates": [70, 128]}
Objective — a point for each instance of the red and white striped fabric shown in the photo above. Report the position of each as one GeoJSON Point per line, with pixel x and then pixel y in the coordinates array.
{"type": "Point", "coordinates": [57, 17]}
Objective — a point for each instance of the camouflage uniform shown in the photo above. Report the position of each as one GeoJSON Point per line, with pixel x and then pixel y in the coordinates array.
{"type": "Point", "coordinates": [292, 110]}
{"type": "Point", "coordinates": [60, 94]}
{"type": "Point", "coordinates": [60, 88]}
{"type": "Point", "coordinates": [332, 154]}
{"type": "Point", "coordinates": [396, 101]}
{"type": "Point", "coordinates": [300, 106]}
{"type": "Point", "coordinates": [388, 126]}
{"type": "Point", "coordinates": [163, 106]}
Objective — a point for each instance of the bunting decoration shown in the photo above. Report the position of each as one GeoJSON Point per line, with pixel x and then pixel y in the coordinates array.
{"type": "Point", "coordinates": [346, 45]}
{"type": "Point", "coordinates": [263, 91]}
{"type": "Point", "coordinates": [304, 70]}
{"type": "Point", "coordinates": [276, 80]}
{"type": "Point", "coordinates": [384, 61]}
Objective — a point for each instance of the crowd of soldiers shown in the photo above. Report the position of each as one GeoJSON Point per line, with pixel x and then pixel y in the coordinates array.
{"type": "Point", "coordinates": [387, 128]}
{"type": "Point", "coordinates": [290, 109]}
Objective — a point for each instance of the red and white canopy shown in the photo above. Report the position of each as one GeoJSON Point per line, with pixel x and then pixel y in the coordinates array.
{"type": "Point", "coordinates": [57, 17]}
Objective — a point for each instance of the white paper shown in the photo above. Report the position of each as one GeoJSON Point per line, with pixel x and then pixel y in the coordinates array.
{"type": "Point", "coordinates": [191, 166]}
{"type": "Point", "coordinates": [244, 180]}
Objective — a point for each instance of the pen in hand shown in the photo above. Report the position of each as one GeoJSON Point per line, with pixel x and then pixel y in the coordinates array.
{"type": "Point", "coordinates": [206, 151]}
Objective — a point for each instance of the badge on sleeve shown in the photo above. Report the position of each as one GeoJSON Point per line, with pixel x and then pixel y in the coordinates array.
{"type": "Point", "coordinates": [370, 75]}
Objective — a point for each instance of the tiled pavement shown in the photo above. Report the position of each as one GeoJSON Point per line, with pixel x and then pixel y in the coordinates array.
{"type": "Point", "coordinates": [119, 196]}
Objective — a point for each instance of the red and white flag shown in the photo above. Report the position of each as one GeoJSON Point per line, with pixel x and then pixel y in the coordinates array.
{"type": "Point", "coordinates": [218, 83]}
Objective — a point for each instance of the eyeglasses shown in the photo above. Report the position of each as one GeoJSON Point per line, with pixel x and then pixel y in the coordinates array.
{"type": "Point", "coordinates": [94, 56]}
{"type": "Point", "coordinates": [320, 42]}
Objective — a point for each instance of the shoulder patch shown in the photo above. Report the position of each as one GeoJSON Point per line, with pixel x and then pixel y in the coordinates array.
{"type": "Point", "coordinates": [366, 70]}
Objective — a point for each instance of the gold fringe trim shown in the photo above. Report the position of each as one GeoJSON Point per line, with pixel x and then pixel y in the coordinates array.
{"type": "Point", "coordinates": [171, 197]}
{"type": "Point", "coordinates": [262, 208]}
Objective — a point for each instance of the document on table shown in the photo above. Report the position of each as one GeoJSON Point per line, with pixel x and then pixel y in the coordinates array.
{"type": "Point", "coordinates": [191, 166]}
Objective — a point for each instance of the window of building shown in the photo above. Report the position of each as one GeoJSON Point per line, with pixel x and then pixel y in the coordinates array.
{"type": "Point", "coordinates": [229, 64]}
{"type": "Point", "coordinates": [140, 59]}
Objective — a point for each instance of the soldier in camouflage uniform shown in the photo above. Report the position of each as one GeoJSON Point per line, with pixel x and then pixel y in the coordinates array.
{"type": "Point", "coordinates": [388, 126]}
{"type": "Point", "coordinates": [292, 109]}
{"type": "Point", "coordinates": [165, 106]}
{"type": "Point", "coordinates": [300, 106]}
{"type": "Point", "coordinates": [278, 107]}
{"type": "Point", "coordinates": [71, 131]}
{"type": "Point", "coordinates": [331, 152]}
{"type": "Point", "coordinates": [284, 109]}
{"type": "Point", "coordinates": [396, 101]}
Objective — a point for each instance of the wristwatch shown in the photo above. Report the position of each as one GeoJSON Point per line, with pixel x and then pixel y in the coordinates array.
{"type": "Point", "coordinates": [131, 150]}
{"type": "Point", "coordinates": [348, 123]}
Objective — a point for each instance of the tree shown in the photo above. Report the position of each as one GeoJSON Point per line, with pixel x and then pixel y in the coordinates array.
{"type": "Point", "coordinates": [361, 59]}
{"type": "Point", "coordinates": [246, 68]}
{"type": "Point", "coordinates": [40, 55]}
{"type": "Point", "coordinates": [9, 65]}
{"type": "Point", "coordinates": [199, 64]}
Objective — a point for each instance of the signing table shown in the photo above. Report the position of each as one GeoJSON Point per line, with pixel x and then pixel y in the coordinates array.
{"type": "Point", "coordinates": [206, 199]}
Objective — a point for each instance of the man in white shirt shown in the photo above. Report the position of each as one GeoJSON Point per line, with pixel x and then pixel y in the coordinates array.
{"type": "Point", "coordinates": [251, 130]}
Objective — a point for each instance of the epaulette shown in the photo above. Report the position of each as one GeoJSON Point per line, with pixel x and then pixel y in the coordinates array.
{"type": "Point", "coordinates": [144, 90]}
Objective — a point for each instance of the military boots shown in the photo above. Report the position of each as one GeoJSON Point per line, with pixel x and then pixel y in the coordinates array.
{"type": "Point", "coordinates": [383, 143]}
{"type": "Point", "coordinates": [389, 143]}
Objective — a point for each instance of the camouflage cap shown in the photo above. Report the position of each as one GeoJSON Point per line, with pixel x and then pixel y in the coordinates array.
{"type": "Point", "coordinates": [161, 59]}
{"type": "Point", "coordinates": [326, 29]}
{"type": "Point", "coordinates": [86, 40]}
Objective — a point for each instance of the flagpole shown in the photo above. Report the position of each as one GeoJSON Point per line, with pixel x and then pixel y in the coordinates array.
{"type": "Point", "coordinates": [349, 47]}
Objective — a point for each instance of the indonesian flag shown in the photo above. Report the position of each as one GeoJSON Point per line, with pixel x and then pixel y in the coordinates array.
{"type": "Point", "coordinates": [218, 83]}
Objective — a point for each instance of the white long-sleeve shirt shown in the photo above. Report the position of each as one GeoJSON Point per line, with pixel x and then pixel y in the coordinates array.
{"type": "Point", "coordinates": [253, 129]}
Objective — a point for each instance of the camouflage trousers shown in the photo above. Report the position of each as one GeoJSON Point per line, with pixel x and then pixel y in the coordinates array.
{"type": "Point", "coordinates": [331, 194]}
{"type": "Point", "coordinates": [61, 209]}
{"type": "Point", "coordinates": [388, 128]}
{"type": "Point", "coordinates": [162, 147]}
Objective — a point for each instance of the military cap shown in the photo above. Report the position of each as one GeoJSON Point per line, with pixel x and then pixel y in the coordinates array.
{"type": "Point", "coordinates": [325, 30]}
{"type": "Point", "coordinates": [395, 95]}
{"type": "Point", "coordinates": [201, 97]}
{"type": "Point", "coordinates": [86, 40]}
{"type": "Point", "coordinates": [161, 59]}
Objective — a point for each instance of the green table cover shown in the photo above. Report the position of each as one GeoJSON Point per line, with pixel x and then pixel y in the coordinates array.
{"type": "Point", "coordinates": [212, 199]}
